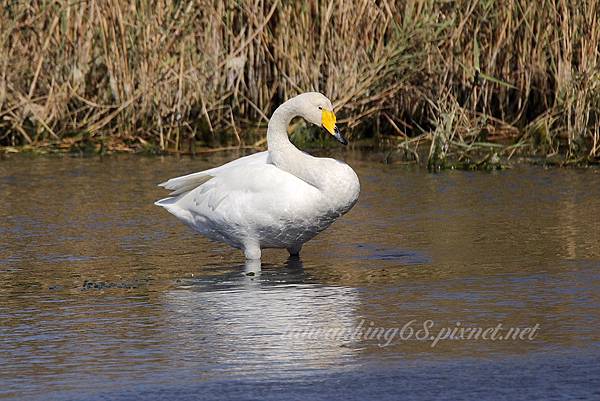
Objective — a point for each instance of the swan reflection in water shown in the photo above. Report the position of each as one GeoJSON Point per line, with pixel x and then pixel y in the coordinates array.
{"type": "Point", "coordinates": [253, 321]}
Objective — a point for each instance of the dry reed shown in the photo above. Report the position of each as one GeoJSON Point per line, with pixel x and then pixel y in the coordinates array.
{"type": "Point", "coordinates": [165, 75]}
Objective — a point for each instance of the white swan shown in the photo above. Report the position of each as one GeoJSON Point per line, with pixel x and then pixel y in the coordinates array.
{"type": "Point", "coordinates": [279, 198]}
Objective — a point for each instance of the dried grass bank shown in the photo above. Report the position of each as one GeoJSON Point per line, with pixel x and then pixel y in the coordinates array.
{"type": "Point", "coordinates": [510, 77]}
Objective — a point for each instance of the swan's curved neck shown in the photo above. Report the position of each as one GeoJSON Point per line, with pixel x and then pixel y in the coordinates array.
{"type": "Point", "coordinates": [283, 153]}
{"type": "Point", "coordinates": [318, 172]}
{"type": "Point", "coordinates": [277, 137]}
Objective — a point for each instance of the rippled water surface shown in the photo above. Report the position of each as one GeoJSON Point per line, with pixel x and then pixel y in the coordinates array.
{"type": "Point", "coordinates": [105, 296]}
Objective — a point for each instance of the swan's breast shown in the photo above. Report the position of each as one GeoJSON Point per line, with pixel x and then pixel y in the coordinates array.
{"type": "Point", "coordinates": [342, 187]}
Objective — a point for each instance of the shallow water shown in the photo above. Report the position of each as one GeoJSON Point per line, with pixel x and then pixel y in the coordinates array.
{"type": "Point", "coordinates": [105, 296]}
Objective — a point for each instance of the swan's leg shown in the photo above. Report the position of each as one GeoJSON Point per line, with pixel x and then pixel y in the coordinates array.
{"type": "Point", "coordinates": [295, 250]}
{"type": "Point", "coordinates": [252, 267]}
{"type": "Point", "coordinates": [252, 251]}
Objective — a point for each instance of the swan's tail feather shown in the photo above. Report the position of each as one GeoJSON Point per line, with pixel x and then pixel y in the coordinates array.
{"type": "Point", "coordinates": [170, 204]}
{"type": "Point", "coordinates": [166, 202]}
{"type": "Point", "coordinates": [186, 183]}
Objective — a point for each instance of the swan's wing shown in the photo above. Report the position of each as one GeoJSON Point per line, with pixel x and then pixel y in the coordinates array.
{"type": "Point", "coordinates": [186, 183]}
{"type": "Point", "coordinates": [247, 200]}
{"type": "Point", "coordinates": [244, 196]}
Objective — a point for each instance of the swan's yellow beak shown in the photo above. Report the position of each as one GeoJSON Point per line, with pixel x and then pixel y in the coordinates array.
{"type": "Point", "coordinates": [328, 122]}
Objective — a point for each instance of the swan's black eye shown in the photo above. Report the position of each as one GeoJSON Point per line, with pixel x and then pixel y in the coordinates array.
{"type": "Point", "coordinates": [320, 108]}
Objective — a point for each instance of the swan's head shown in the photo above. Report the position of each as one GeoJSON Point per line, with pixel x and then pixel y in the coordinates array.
{"type": "Point", "coordinates": [317, 109]}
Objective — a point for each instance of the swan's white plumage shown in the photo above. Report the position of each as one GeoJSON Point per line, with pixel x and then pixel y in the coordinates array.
{"type": "Point", "coordinates": [188, 182]}
{"type": "Point", "coordinates": [280, 198]}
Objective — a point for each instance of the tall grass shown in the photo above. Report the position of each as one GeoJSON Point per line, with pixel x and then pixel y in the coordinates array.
{"type": "Point", "coordinates": [167, 74]}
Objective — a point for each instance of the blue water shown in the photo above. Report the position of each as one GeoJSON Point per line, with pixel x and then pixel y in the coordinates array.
{"type": "Point", "coordinates": [569, 376]}
{"type": "Point", "coordinates": [104, 296]}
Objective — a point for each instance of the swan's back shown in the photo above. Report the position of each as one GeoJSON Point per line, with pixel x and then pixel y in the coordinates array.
{"type": "Point", "coordinates": [186, 183]}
